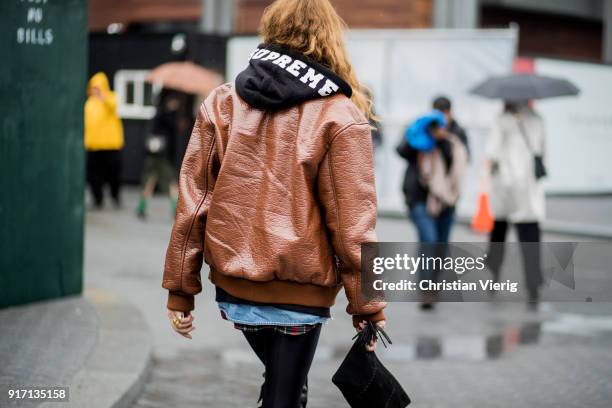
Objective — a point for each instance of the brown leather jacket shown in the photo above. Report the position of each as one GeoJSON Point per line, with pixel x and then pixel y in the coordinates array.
{"type": "Point", "coordinates": [276, 203]}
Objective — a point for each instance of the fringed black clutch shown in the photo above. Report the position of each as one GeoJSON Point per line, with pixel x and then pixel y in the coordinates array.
{"type": "Point", "coordinates": [362, 378]}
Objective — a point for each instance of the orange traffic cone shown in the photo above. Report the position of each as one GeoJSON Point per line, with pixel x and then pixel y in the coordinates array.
{"type": "Point", "coordinates": [483, 219]}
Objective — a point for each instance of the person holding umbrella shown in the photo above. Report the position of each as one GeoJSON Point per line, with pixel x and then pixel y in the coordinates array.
{"type": "Point", "coordinates": [172, 121]}
{"type": "Point", "coordinates": [517, 141]}
{"type": "Point", "coordinates": [181, 82]}
{"type": "Point", "coordinates": [516, 155]}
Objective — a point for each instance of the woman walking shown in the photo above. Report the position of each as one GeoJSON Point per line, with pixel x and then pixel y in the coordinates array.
{"type": "Point", "coordinates": [276, 195]}
{"type": "Point", "coordinates": [436, 160]}
{"type": "Point", "coordinates": [515, 152]}
{"type": "Point", "coordinates": [171, 123]}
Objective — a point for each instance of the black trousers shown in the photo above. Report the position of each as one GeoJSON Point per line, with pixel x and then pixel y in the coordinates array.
{"type": "Point", "coordinates": [528, 232]}
{"type": "Point", "coordinates": [104, 167]}
{"type": "Point", "coordinates": [287, 360]}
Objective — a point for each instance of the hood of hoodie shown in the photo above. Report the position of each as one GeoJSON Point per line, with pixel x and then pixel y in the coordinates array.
{"type": "Point", "coordinates": [99, 80]}
{"type": "Point", "coordinates": [279, 78]}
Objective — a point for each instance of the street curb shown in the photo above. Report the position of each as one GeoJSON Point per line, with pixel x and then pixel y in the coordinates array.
{"type": "Point", "coordinates": [117, 369]}
{"type": "Point", "coordinates": [551, 226]}
{"type": "Point", "coordinates": [564, 228]}
{"type": "Point", "coordinates": [572, 228]}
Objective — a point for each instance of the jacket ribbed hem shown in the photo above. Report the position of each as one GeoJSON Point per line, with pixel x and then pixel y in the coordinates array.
{"type": "Point", "coordinates": [276, 291]}
{"type": "Point", "coordinates": [374, 317]}
{"type": "Point", "coordinates": [179, 301]}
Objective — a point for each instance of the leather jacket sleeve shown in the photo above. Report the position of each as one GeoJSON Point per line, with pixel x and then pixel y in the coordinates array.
{"type": "Point", "coordinates": [196, 182]}
{"type": "Point", "coordinates": [348, 195]}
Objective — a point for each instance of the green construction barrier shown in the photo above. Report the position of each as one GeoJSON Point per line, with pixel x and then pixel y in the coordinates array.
{"type": "Point", "coordinates": [43, 49]}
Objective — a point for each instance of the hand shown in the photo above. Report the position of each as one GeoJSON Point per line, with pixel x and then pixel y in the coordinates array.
{"type": "Point", "coordinates": [183, 325]}
{"type": "Point", "coordinates": [380, 324]}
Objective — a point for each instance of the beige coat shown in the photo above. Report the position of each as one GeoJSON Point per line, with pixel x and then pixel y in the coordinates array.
{"type": "Point", "coordinates": [516, 195]}
{"type": "Point", "coordinates": [444, 186]}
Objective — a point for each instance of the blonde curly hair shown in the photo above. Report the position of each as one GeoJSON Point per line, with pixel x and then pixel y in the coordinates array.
{"type": "Point", "coordinates": [314, 28]}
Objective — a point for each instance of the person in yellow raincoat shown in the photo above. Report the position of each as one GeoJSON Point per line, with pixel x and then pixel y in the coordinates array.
{"type": "Point", "coordinates": [103, 140]}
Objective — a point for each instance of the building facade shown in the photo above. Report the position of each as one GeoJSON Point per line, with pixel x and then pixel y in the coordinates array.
{"type": "Point", "coordinates": [571, 29]}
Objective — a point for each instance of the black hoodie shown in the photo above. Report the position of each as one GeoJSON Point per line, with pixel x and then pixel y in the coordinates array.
{"type": "Point", "coordinates": [278, 78]}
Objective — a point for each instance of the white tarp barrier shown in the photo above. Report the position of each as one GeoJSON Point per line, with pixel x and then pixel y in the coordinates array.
{"type": "Point", "coordinates": [406, 69]}
{"type": "Point", "coordinates": [579, 128]}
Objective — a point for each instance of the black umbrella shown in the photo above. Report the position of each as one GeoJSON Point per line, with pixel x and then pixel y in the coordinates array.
{"type": "Point", "coordinates": [521, 87]}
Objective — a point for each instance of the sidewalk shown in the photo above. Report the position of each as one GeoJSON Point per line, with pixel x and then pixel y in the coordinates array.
{"type": "Point", "coordinates": [114, 347]}
{"type": "Point", "coordinates": [527, 366]}
{"type": "Point", "coordinates": [588, 215]}
{"type": "Point", "coordinates": [96, 345]}
{"type": "Point", "coordinates": [461, 355]}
